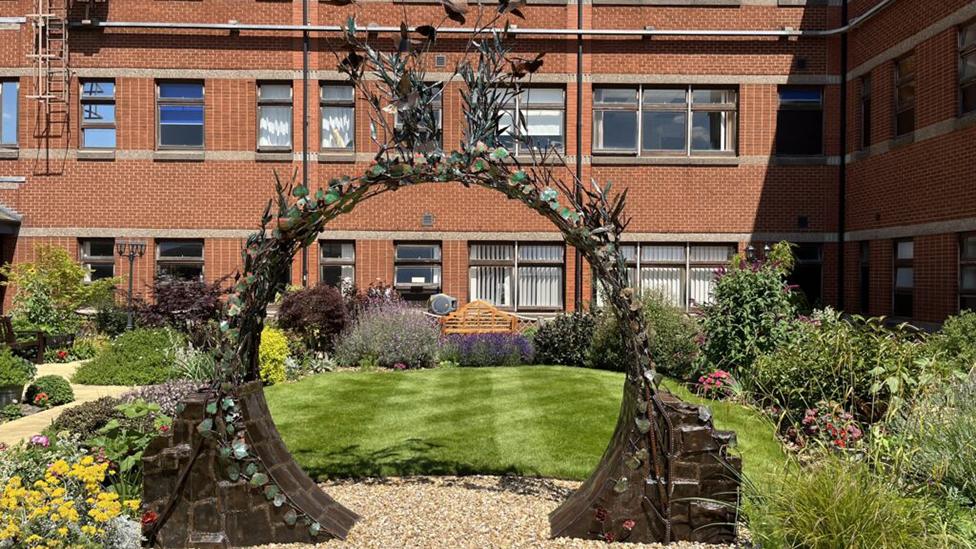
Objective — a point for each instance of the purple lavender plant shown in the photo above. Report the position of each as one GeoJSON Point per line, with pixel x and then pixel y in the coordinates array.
{"type": "Point", "coordinates": [488, 349]}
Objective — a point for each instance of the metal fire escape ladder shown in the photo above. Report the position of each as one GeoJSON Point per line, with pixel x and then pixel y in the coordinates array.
{"type": "Point", "coordinates": [52, 75]}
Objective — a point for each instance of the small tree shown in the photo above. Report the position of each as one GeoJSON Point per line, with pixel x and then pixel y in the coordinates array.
{"type": "Point", "coordinates": [751, 306]}
{"type": "Point", "coordinates": [51, 289]}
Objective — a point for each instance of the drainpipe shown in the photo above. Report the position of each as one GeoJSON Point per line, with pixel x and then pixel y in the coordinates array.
{"type": "Point", "coordinates": [842, 173]}
{"type": "Point", "coordinates": [306, 46]}
{"type": "Point", "coordinates": [578, 290]}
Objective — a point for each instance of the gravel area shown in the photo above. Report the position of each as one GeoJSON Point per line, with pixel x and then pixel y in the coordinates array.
{"type": "Point", "coordinates": [457, 512]}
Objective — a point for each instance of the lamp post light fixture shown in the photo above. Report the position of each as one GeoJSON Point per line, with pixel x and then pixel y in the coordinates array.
{"type": "Point", "coordinates": [130, 249]}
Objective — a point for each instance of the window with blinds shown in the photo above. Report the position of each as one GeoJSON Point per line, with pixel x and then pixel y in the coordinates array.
{"type": "Point", "coordinates": [517, 276]}
{"type": "Point", "coordinates": [684, 273]}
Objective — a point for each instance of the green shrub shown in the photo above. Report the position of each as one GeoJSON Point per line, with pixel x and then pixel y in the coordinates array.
{"type": "Point", "coordinates": [935, 441]}
{"type": "Point", "coordinates": [57, 389]}
{"type": "Point", "coordinates": [86, 418]}
{"type": "Point", "coordinates": [88, 347]}
{"type": "Point", "coordinates": [750, 312]}
{"type": "Point", "coordinates": [50, 290]}
{"type": "Point", "coordinates": [672, 337]}
{"type": "Point", "coordinates": [955, 343]}
{"type": "Point", "coordinates": [139, 357]}
{"type": "Point", "coordinates": [388, 336]}
{"type": "Point", "coordinates": [272, 355]}
{"type": "Point", "coordinates": [15, 370]}
{"type": "Point", "coordinates": [193, 363]}
{"type": "Point", "coordinates": [859, 363]}
{"type": "Point", "coordinates": [841, 504]}
{"type": "Point", "coordinates": [11, 412]}
{"type": "Point", "coordinates": [565, 339]}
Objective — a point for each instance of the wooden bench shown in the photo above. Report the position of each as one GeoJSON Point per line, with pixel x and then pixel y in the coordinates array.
{"type": "Point", "coordinates": [31, 343]}
{"type": "Point", "coordinates": [479, 317]}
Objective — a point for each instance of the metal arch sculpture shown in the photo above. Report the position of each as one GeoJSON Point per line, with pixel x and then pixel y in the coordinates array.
{"type": "Point", "coordinates": [223, 477]}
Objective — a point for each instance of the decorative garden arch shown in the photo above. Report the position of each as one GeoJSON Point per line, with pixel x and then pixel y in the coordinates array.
{"type": "Point", "coordinates": [223, 477]}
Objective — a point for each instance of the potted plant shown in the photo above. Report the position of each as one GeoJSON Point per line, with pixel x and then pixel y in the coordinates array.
{"type": "Point", "coordinates": [15, 373]}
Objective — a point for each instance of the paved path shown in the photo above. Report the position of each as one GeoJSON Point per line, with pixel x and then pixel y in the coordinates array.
{"type": "Point", "coordinates": [13, 432]}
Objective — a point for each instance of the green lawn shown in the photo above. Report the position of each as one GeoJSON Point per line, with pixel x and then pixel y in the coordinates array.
{"type": "Point", "coordinates": [549, 421]}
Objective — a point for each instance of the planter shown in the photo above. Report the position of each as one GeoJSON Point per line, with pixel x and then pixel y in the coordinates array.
{"type": "Point", "coordinates": [10, 394]}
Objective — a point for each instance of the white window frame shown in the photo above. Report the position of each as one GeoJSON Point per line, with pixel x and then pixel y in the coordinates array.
{"type": "Point", "coordinates": [173, 261]}
{"type": "Point", "coordinates": [435, 263]}
{"type": "Point", "coordinates": [85, 100]}
{"type": "Point", "coordinates": [514, 106]}
{"type": "Point", "coordinates": [88, 260]}
{"type": "Point", "coordinates": [899, 262]}
{"type": "Point", "coordinates": [514, 265]}
{"type": "Point", "coordinates": [342, 262]}
{"type": "Point", "coordinates": [276, 102]}
{"type": "Point", "coordinates": [338, 103]}
{"type": "Point", "coordinates": [3, 84]}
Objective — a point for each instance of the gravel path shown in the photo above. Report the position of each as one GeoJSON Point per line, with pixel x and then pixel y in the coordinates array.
{"type": "Point", "coordinates": [457, 512]}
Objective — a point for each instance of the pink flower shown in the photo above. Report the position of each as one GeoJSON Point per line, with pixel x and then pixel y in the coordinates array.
{"type": "Point", "coordinates": [629, 524]}
{"type": "Point", "coordinates": [40, 440]}
{"type": "Point", "coordinates": [164, 428]}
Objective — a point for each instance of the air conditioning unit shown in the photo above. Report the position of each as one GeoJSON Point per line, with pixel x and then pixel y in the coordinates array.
{"type": "Point", "coordinates": [441, 304]}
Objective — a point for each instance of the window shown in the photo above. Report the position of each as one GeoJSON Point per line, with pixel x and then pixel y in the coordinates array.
{"type": "Point", "coordinates": [518, 276]}
{"type": "Point", "coordinates": [337, 264]}
{"type": "Point", "coordinates": [904, 286]}
{"type": "Point", "coordinates": [967, 272]}
{"type": "Point", "coordinates": [799, 122]}
{"type": "Point", "coordinates": [417, 270]}
{"type": "Point", "coordinates": [683, 121]}
{"type": "Point", "coordinates": [866, 112]}
{"type": "Point", "coordinates": [274, 117]}
{"type": "Point", "coordinates": [807, 274]}
{"type": "Point", "coordinates": [8, 112]}
{"type": "Point", "coordinates": [684, 273]}
{"type": "Point", "coordinates": [905, 94]}
{"type": "Point", "coordinates": [180, 259]}
{"type": "Point", "coordinates": [98, 258]}
{"type": "Point", "coordinates": [97, 114]}
{"type": "Point", "coordinates": [338, 105]}
{"type": "Point", "coordinates": [541, 113]}
{"type": "Point", "coordinates": [967, 71]}
{"type": "Point", "coordinates": [180, 107]}
{"type": "Point", "coordinates": [865, 277]}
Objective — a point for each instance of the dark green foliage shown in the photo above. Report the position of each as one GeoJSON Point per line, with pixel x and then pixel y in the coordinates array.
{"type": "Point", "coordinates": [57, 389]}
{"type": "Point", "coordinates": [15, 370]}
{"type": "Point", "coordinates": [139, 357]}
{"type": "Point", "coordinates": [955, 343]}
{"type": "Point", "coordinates": [316, 315]}
{"type": "Point", "coordinates": [673, 340]}
{"type": "Point", "coordinates": [750, 312]}
{"type": "Point", "coordinates": [110, 318]}
{"type": "Point", "coordinates": [858, 363]}
{"type": "Point", "coordinates": [87, 418]}
{"type": "Point", "coordinates": [565, 339]}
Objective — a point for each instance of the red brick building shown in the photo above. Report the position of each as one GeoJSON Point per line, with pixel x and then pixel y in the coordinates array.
{"type": "Point", "coordinates": [165, 120]}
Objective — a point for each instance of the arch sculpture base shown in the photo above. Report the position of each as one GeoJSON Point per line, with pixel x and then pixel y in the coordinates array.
{"type": "Point", "coordinates": [700, 469]}
{"type": "Point", "coordinates": [211, 511]}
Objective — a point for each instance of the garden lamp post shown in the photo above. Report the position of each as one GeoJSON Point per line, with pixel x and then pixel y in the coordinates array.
{"type": "Point", "coordinates": [130, 249]}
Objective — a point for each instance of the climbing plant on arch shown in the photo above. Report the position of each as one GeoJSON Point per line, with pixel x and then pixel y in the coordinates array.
{"type": "Point", "coordinates": [223, 477]}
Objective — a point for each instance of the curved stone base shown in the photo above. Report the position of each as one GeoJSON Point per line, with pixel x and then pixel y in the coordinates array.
{"type": "Point", "coordinates": [606, 507]}
{"type": "Point", "coordinates": [212, 511]}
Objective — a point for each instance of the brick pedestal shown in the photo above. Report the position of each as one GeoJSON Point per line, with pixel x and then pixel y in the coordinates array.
{"type": "Point", "coordinates": [620, 490]}
{"type": "Point", "coordinates": [212, 511]}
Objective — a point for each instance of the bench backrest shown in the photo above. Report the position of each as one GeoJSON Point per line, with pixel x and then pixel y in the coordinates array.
{"type": "Point", "coordinates": [7, 334]}
{"type": "Point", "coordinates": [479, 317]}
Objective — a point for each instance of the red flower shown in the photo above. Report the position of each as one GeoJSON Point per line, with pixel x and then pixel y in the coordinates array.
{"type": "Point", "coordinates": [164, 428]}
{"type": "Point", "coordinates": [149, 517]}
{"type": "Point", "coordinates": [601, 514]}
{"type": "Point", "coordinates": [629, 524]}
{"type": "Point", "coordinates": [609, 537]}
{"type": "Point", "coordinates": [62, 354]}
